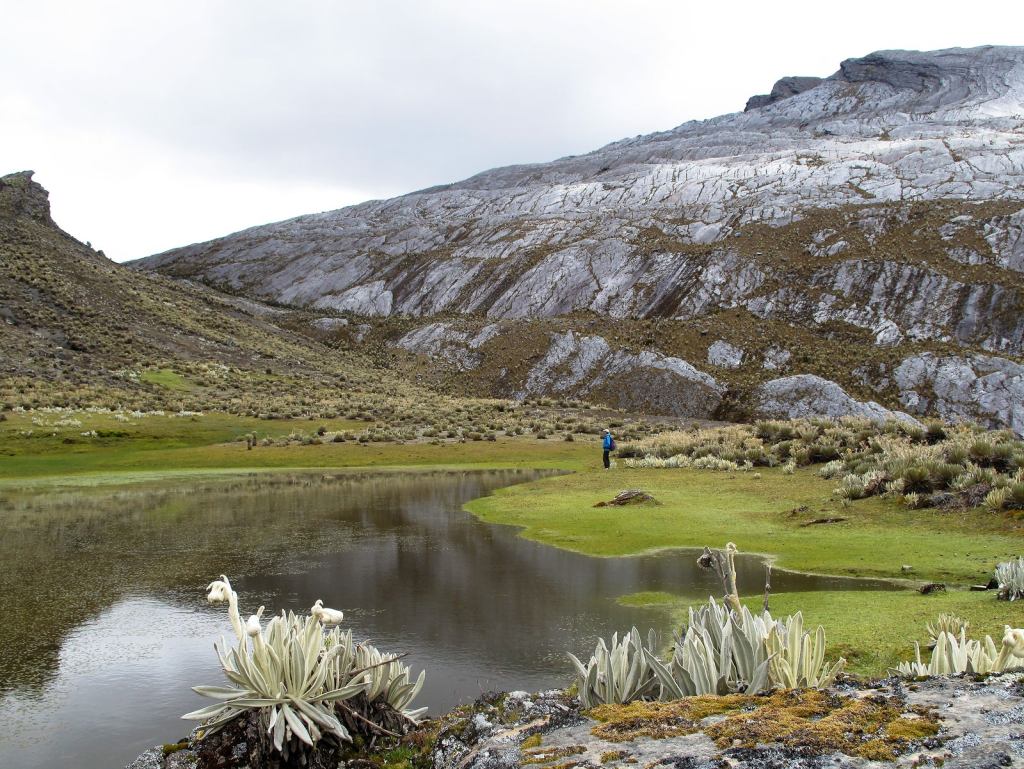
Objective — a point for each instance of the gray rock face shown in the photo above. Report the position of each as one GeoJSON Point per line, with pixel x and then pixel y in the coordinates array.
{"type": "Point", "coordinates": [329, 324]}
{"type": "Point", "coordinates": [1005, 234]}
{"type": "Point", "coordinates": [587, 364]}
{"type": "Point", "coordinates": [440, 340]}
{"type": "Point", "coordinates": [151, 759]}
{"type": "Point", "coordinates": [887, 197]}
{"type": "Point", "coordinates": [806, 395]}
{"type": "Point", "coordinates": [907, 301]}
{"type": "Point", "coordinates": [725, 355]}
{"type": "Point", "coordinates": [776, 358]}
{"type": "Point", "coordinates": [576, 234]}
{"type": "Point", "coordinates": [982, 389]}
{"type": "Point", "coordinates": [783, 89]}
{"type": "Point", "coordinates": [20, 196]}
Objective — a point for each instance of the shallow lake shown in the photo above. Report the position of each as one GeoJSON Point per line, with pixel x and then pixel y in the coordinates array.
{"type": "Point", "coordinates": [105, 625]}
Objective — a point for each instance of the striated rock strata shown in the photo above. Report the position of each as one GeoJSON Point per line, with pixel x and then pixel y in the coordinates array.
{"type": "Point", "coordinates": [806, 395]}
{"type": "Point", "coordinates": [980, 388]}
{"type": "Point", "coordinates": [882, 206]}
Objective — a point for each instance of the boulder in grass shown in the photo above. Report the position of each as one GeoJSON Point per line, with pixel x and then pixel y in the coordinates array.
{"type": "Point", "coordinates": [629, 497]}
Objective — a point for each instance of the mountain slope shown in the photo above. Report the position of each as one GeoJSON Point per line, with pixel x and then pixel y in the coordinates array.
{"type": "Point", "coordinates": [879, 210]}
{"type": "Point", "coordinates": [78, 329]}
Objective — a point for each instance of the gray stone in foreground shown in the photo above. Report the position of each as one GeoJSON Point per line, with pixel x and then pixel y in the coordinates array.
{"type": "Point", "coordinates": [981, 726]}
{"type": "Point", "coordinates": [151, 759]}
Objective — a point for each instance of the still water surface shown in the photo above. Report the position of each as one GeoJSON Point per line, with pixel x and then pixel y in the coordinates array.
{"type": "Point", "coordinates": [104, 623]}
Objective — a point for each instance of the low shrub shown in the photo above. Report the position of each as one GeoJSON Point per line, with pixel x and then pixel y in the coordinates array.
{"type": "Point", "coordinates": [940, 464]}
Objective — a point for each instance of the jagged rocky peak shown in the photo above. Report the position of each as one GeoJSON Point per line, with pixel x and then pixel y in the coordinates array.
{"type": "Point", "coordinates": [20, 196]}
{"type": "Point", "coordinates": [988, 81]}
{"type": "Point", "coordinates": [958, 72]}
{"type": "Point", "coordinates": [783, 89]}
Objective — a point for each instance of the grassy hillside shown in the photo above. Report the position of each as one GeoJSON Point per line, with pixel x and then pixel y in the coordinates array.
{"type": "Point", "coordinates": [79, 329]}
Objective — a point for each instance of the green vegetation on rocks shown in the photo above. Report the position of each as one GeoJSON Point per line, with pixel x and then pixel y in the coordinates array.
{"type": "Point", "coordinates": [817, 722]}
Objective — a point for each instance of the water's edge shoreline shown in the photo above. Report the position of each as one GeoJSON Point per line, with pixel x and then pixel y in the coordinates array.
{"type": "Point", "coordinates": [955, 722]}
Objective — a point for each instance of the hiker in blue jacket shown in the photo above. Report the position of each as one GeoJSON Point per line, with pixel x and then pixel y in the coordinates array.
{"type": "Point", "coordinates": [609, 446]}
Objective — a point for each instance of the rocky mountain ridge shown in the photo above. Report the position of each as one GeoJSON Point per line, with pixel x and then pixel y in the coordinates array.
{"type": "Point", "coordinates": [854, 225]}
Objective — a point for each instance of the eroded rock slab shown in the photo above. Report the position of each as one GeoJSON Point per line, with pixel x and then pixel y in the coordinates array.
{"type": "Point", "coordinates": [443, 341]}
{"type": "Point", "coordinates": [979, 388]}
{"type": "Point", "coordinates": [806, 395]}
{"type": "Point", "coordinates": [651, 226]}
{"type": "Point", "coordinates": [581, 364]}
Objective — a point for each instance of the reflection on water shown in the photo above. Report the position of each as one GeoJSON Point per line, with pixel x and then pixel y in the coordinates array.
{"type": "Point", "coordinates": [105, 626]}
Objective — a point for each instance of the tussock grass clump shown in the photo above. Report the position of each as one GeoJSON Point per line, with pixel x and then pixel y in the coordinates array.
{"type": "Point", "coordinates": [934, 465]}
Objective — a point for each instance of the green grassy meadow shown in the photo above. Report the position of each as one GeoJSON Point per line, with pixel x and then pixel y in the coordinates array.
{"type": "Point", "coordinates": [765, 512]}
{"type": "Point", "coordinates": [762, 515]}
{"type": "Point", "coordinates": [45, 451]}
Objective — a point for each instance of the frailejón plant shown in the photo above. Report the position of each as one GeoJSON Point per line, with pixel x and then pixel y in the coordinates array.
{"type": "Point", "coordinates": [955, 654]}
{"type": "Point", "coordinates": [617, 674]}
{"type": "Point", "coordinates": [946, 623]}
{"type": "Point", "coordinates": [798, 657]}
{"type": "Point", "coordinates": [388, 678]}
{"type": "Point", "coordinates": [1010, 578]}
{"type": "Point", "coordinates": [724, 648]}
{"type": "Point", "coordinates": [301, 681]}
{"type": "Point", "coordinates": [721, 652]}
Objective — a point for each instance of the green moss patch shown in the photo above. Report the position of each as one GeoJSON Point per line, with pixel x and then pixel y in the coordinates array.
{"type": "Point", "coordinates": [876, 728]}
{"type": "Point", "coordinates": [173, 747]}
{"type": "Point", "coordinates": [660, 720]}
{"type": "Point", "coordinates": [533, 741]}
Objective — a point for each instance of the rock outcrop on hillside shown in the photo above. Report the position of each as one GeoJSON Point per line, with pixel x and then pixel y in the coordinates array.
{"type": "Point", "coordinates": [881, 207]}
{"type": "Point", "coordinates": [589, 366]}
{"type": "Point", "coordinates": [806, 395]}
{"type": "Point", "coordinates": [979, 388]}
{"type": "Point", "coordinates": [646, 380]}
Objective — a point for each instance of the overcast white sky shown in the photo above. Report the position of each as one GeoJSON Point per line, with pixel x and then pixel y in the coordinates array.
{"type": "Point", "coordinates": [157, 124]}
